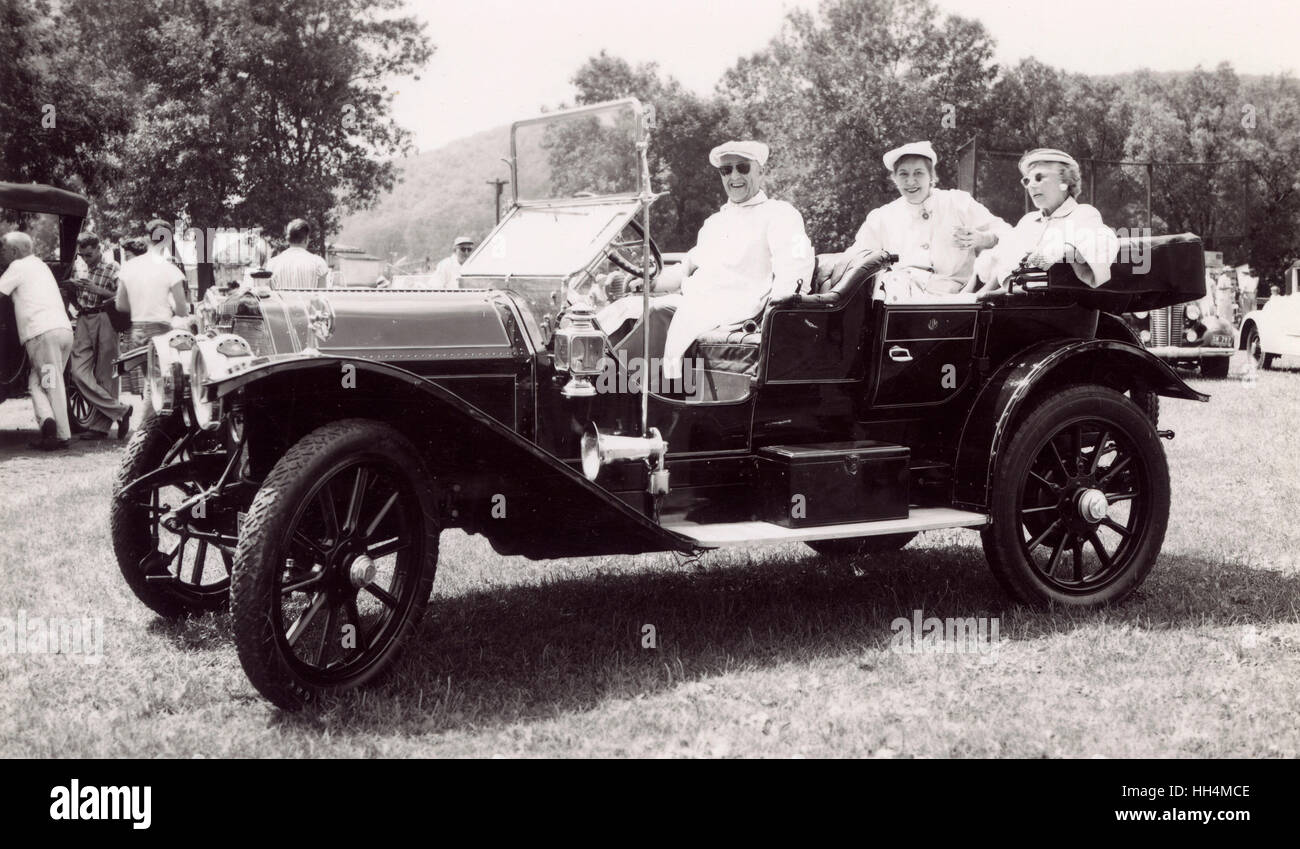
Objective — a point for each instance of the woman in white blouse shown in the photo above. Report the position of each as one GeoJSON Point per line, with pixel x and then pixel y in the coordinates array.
{"type": "Point", "coordinates": [1062, 230]}
{"type": "Point", "coordinates": [936, 233]}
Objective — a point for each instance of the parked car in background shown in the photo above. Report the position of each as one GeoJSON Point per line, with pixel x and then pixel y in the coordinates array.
{"type": "Point", "coordinates": [1188, 335]}
{"type": "Point", "coordinates": [1274, 330]}
{"type": "Point", "coordinates": [53, 217]}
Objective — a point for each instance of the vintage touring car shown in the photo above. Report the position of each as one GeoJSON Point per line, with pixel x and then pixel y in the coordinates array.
{"type": "Point", "coordinates": [312, 445]}
{"type": "Point", "coordinates": [54, 217]}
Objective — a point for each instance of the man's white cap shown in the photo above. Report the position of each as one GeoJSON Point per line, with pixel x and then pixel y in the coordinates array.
{"type": "Point", "coordinates": [1044, 154]}
{"type": "Point", "coordinates": [921, 148]}
{"type": "Point", "coordinates": [755, 150]}
{"type": "Point", "coordinates": [462, 240]}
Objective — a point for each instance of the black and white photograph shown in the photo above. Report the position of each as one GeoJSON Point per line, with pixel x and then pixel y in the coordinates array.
{"type": "Point", "coordinates": [861, 379]}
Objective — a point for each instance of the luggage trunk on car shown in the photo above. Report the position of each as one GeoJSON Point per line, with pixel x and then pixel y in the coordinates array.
{"type": "Point", "coordinates": [832, 483]}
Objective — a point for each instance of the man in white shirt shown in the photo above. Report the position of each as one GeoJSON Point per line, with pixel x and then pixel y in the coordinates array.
{"type": "Point", "coordinates": [447, 274]}
{"type": "Point", "coordinates": [296, 267]}
{"type": "Point", "coordinates": [152, 291]}
{"type": "Point", "coordinates": [44, 330]}
{"type": "Point", "coordinates": [752, 249]}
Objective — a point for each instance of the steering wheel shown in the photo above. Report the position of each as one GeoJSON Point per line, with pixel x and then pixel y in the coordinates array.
{"type": "Point", "coordinates": [626, 253]}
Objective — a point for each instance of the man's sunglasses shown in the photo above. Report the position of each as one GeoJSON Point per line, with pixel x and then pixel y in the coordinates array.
{"type": "Point", "coordinates": [742, 167]}
{"type": "Point", "coordinates": [465, 248]}
{"type": "Point", "coordinates": [1039, 177]}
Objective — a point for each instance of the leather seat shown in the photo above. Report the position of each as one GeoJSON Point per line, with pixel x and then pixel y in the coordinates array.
{"type": "Point", "coordinates": [836, 277]}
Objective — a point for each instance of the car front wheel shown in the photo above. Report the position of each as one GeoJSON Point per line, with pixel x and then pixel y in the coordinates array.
{"type": "Point", "coordinates": [1256, 350]}
{"type": "Point", "coordinates": [1080, 501]}
{"type": "Point", "coordinates": [335, 562]}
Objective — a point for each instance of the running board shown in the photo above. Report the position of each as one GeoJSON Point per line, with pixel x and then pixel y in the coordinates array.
{"type": "Point", "coordinates": [726, 534]}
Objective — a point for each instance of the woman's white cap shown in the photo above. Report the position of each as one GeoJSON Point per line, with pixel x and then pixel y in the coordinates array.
{"type": "Point", "coordinates": [921, 148]}
{"type": "Point", "coordinates": [1045, 154]}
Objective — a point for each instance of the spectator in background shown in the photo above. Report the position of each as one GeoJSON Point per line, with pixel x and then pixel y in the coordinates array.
{"type": "Point", "coordinates": [447, 274]}
{"type": "Point", "coordinates": [94, 342]}
{"type": "Point", "coordinates": [152, 290]}
{"type": "Point", "coordinates": [295, 267]}
{"type": "Point", "coordinates": [113, 250]}
{"type": "Point", "coordinates": [44, 330]}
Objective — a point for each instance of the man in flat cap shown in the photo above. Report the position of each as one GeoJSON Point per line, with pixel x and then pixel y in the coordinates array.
{"type": "Point", "coordinates": [447, 274]}
{"type": "Point", "coordinates": [752, 249]}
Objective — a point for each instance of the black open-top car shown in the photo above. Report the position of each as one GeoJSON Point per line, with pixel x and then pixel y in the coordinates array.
{"type": "Point", "coordinates": [54, 218]}
{"type": "Point", "coordinates": [312, 445]}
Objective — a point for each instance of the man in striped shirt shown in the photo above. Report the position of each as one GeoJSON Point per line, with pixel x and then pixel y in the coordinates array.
{"type": "Point", "coordinates": [94, 343]}
{"type": "Point", "coordinates": [296, 267]}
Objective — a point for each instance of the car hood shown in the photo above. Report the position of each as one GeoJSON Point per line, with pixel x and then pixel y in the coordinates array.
{"type": "Point", "coordinates": [372, 323]}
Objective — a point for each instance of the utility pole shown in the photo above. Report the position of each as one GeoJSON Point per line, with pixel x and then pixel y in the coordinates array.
{"type": "Point", "coordinates": [500, 184]}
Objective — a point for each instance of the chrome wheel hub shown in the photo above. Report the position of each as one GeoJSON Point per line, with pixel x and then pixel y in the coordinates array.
{"type": "Point", "coordinates": [362, 571]}
{"type": "Point", "coordinates": [1092, 505]}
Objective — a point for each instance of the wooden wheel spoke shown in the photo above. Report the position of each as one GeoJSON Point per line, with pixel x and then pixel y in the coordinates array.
{"type": "Point", "coordinates": [387, 547]}
{"type": "Point", "coordinates": [328, 511]}
{"type": "Point", "coordinates": [1047, 484]}
{"type": "Point", "coordinates": [331, 617]}
{"type": "Point", "coordinates": [1116, 527]}
{"type": "Point", "coordinates": [1076, 447]}
{"type": "Point", "coordinates": [1038, 540]}
{"type": "Point", "coordinates": [1056, 556]}
{"type": "Point", "coordinates": [1100, 548]}
{"type": "Point", "coordinates": [1098, 451]}
{"type": "Point", "coordinates": [296, 630]}
{"type": "Point", "coordinates": [380, 516]}
{"type": "Point", "coordinates": [1118, 497]}
{"type": "Point", "coordinates": [316, 551]}
{"type": "Point", "coordinates": [1115, 469]}
{"type": "Point", "coordinates": [302, 585]}
{"type": "Point", "coordinates": [382, 594]}
{"type": "Point", "coordinates": [1056, 455]}
{"type": "Point", "coordinates": [355, 615]}
{"type": "Point", "coordinates": [199, 556]}
{"type": "Point", "coordinates": [1078, 559]}
{"type": "Point", "coordinates": [356, 498]}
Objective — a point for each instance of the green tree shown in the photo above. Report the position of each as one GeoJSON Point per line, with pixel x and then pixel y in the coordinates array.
{"type": "Point", "coordinates": [834, 90]}
{"type": "Point", "coordinates": [687, 128]}
{"type": "Point", "coordinates": [251, 114]}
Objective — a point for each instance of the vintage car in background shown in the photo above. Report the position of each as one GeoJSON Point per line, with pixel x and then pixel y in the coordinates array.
{"type": "Point", "coordinates": [53, 218]}
{"type": "Point", "coordinates": [1273, 330]}
{"type": "Point", "coordinates": [311, 446]}
{"type": "Point", "coordinates": [1188, 335]}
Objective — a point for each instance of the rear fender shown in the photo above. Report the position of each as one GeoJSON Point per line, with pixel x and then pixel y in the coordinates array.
{"type": "Point", "coordinates": [490, 479]}
{"type": "Point", "coordinates": [1045, 367]}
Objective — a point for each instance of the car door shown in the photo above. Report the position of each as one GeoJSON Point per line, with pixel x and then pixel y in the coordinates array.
{"type": "Point", "coordinates": [924, 354]}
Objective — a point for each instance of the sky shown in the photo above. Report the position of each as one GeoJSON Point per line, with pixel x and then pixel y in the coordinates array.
{"type": "Point", "coordinates": [501, 60]}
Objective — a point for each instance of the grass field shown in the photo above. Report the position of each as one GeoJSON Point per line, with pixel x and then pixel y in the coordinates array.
{"type": "Point", "coordinates": [774, 652]}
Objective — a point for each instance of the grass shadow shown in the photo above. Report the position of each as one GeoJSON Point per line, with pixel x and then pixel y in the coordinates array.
{"type": "Point", "coordinates": [493, 657]}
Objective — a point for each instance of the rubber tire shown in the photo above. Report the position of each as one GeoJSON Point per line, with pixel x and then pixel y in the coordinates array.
{"type": "Point", "coordinates": [1216, 368]}
{"type": "Point", "coordinates": [130, 529]}
{"type": "Point", "coordinates": [253, 585]}
{"type": "Point", "coordinates": [860, 546]}
{"type": "Point", "coordinates": [1002, 536]}
{"type": "Point", "coordinates": [1256, 351]}
{"type": "Point", "coordinates": [1148, 402]}
{"type": "Point", "coordinates": [76, 423]}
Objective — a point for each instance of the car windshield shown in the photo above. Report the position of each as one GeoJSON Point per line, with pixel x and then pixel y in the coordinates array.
{"type": "Point", "coordinates": [549, 241]}
{"type": "Point", "coordinates": [582, 152]}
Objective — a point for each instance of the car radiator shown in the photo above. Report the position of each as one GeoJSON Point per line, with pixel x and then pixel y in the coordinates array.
{"type": "Point", "coordinates": [1167, 326]}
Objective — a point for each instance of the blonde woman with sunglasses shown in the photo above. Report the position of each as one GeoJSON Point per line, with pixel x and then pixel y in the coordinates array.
{"type": "Point", "coordinates": [1061, 230]}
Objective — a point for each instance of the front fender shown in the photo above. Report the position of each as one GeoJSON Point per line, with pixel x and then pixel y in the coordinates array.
{"type": "Point", "coordinates": [1039, 368]}
{"type": "Point", "coordinates": [494, 480]}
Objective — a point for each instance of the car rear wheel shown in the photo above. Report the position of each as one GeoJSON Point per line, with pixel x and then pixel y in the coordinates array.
{"type": "Point", "coordinates": [169, 568]}
{"type": "Point", "coordinates": [1256, 350]}
{"type": "Point", "coordinates": [80, 412]}
{"type": "Point", "coordinates": [1080, 501]}
{"type": "Point", "coordinates": [335, 562]}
